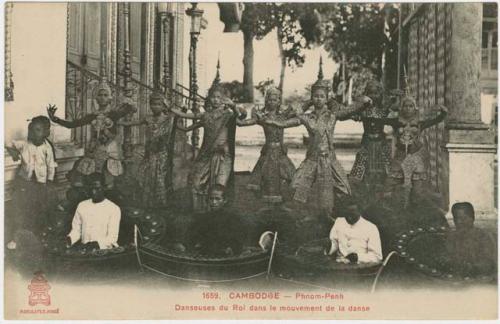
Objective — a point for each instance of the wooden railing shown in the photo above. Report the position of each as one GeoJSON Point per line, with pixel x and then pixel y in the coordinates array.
{"type": "Point", "coordinates": [80, 84]}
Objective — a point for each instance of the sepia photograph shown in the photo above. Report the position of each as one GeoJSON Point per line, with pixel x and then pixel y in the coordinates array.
{"type": "Point", "coordinates": [250, 160]}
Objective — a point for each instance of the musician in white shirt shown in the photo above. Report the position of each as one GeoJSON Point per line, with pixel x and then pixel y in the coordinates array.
{"type": "Point", "coordinates": [96, 223]}
{"type": "Point", "coordinates": [354, 239]}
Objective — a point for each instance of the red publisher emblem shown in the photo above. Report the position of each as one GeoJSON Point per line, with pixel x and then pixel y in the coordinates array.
{"type": "Point", "coordinates": [39, 290]}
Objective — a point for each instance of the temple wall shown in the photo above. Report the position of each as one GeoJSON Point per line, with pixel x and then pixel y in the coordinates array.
{"type": "Point", "coordinates": [37, 59]}
{"type": "Point", "coordinates": [441, 52]}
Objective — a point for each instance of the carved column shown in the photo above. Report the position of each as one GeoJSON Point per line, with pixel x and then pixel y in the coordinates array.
{"type": "Point", "coordinates": [166, 53]}
{"type": "Point", "coordinates": [195, 137]}
{"type": "Point", "coordinates": [112, 23]}
{"type": "Point", "coordinates": [470, 145]}
{"type": "Point", "coordinates": [465, 65]}
{"type": "Point", "coordinates": [127, 77]}
{"type": "Point", "coordinates": [127, 72]}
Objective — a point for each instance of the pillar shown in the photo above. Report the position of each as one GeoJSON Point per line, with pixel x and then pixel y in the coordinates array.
{"type": "Point", "coordinates": [471, 144]}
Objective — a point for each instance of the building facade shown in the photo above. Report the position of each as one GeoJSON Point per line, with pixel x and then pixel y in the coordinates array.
{"type": "Point", "coordinates": [449, 54]}
{"type": "Point", "coordinates": [136, 46]}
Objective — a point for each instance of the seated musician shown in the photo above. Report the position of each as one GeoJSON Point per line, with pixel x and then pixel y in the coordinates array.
{"type": "Point", "coordinates": [470, 250]}
{"type": "Point", "coordinates": [97, 220]}
{"type": "Point", "coordinates": [354, 239]}
{"type": "Point", "coordinates": [217, 233]}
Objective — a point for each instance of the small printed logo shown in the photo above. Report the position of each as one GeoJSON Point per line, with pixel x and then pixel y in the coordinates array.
{"type": "Point", "coordinates": [39, 290]}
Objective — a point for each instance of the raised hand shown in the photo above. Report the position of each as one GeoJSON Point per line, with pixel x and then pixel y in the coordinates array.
{"type": "Point", "coordinates": [305, 106]}
{"type": "Point", "coordinates": [242, 113]}
{"type": "Point", "coordinates": [129, 104]}
{"type": "Point", "coordinates": [51, 111]}
{"type": "Point", "coordinates": [257, 114]}
{"type": "Point", "coordinates": [229, 103]}
{"type": "Point", "coordinates": [442, 108]}
{"type": "Point", "coordinates": [367, 100]}
{"type": "Point", "coordinates": [13, 152]}
{"type": "Point", "coordinates": [166, 106]}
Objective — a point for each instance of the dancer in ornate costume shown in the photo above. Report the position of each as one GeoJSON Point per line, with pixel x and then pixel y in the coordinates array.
{"type": "Point", "coordinates": [273, 167]}
{"type": "Point", "coordinates": [155, 170]}
{"type": "Point", "coordinates": [409, 198]}
{"type": "Point", "coordinates": [373, 159]}
{"type": "Point", "coordinates": [214, 162]}
{"type": "Point", "coordinates": [320, 176]}
{"type": "Point", "coordinates": [410, 164]}
{"type": "Point", "coordinates": [103, 153]}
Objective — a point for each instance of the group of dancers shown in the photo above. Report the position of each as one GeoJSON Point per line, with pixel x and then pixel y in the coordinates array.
{"type": "Point", "coordinates": [319, 180]}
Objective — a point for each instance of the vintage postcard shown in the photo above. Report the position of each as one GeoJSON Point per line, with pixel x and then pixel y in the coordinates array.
{"type": "Point", "coordinates": [174, 160]}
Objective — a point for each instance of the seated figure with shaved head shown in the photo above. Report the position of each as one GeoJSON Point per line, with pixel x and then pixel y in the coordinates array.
{"type": "Point", "coordinates": [470, 251]}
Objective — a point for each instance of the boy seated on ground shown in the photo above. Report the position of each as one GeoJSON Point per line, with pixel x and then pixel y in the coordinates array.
{"type": "Point", "coordinates": [470, 251]}
{"type": "Point", "coordinates": [97, 220]}
{"type": "Point", "coordinates": [217, 233]}
{"type": "Point", "coordinates": [354, 239]}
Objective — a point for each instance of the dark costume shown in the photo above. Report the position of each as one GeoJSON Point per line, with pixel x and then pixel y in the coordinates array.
{"type": "Point", "coordinates": [411, 159]}
{"type": "Point", "coordinates": [215, 160]}
{"type": "Point", "coordinates": [470, 253]}
{"type": "Point", "coordinates": [409, 200]}
{"type": "Point", "coordinates": [217, 234]}
{"type": "Point", "coordinates": [273, 166]}
{"type": "Point", "coordinates": [373, 159]}
{"type": "Point", "coordinates": [155, 170]}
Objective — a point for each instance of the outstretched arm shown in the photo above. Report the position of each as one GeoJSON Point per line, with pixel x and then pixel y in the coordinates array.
{"type": "Point", "coordinates": [246, 122]}
{"type": "Point", "coordinates": [85, 120]}
{"type": "Point", "coordinates": [190, 127]}
{"type": "Point", "coordinates": [132, 122]}
{"type": "Point", "coordinates": [182, 114]}
{"type": "Point", "coordinates": [291, 112]}
{"type": "Point", "coordinates": [292, 122]}
{"type": "Point", "coordinates": [443, 111]}
{"type": "Point", "coordinates": [239, 112]}
{"type": "Point", "coordinates": [256, 115]}
{"type": "Point", "coordinates": [306, 105]}
{"type": "Point", "coordinates": [126, 107]}
{"type": "Point", "coordinates": [346, 112]}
